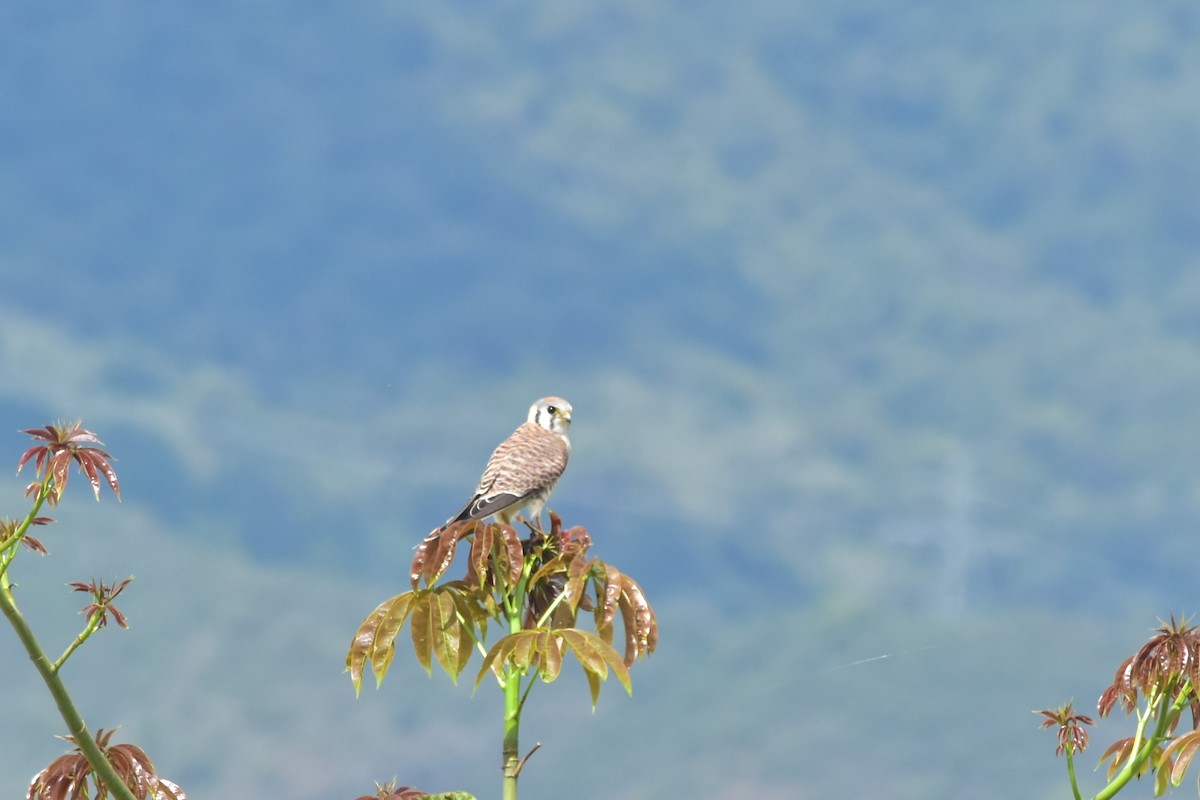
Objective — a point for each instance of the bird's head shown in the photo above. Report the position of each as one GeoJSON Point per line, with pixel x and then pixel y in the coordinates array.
{"type": "Point", "coordinates": [551, 413]}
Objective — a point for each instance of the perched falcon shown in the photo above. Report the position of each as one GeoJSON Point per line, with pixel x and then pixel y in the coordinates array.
{"type": "Point", "coordinates": [525, 467]}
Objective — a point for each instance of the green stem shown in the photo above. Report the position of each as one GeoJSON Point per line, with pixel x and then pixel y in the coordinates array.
{"type": "Point", "coordinates": [1071, 772]}
{"type": "Point", "coordinates": [1167, 714]}
{"type": "Point", "coordinates": [510, 749]}
{"type": "Point", "coordinates": [528, 688]}
{"type": "Point", "coordinates": [545, 617]}
{"type": "Point", "coordinates": [8, 549]}
{"type": "Point", "coordinates": [58, 690]}
{"type": "Point", "coordinates": [513, 604]}
{"type": "Point", "coordinates": [66, 707]}
{"type": "Point", "coordinates": [92, 624]}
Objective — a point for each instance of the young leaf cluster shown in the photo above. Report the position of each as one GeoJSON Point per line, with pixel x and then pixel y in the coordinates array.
{"type": "Point", "coordinates": [537, 589]}
{"type": "Point", "coordinates": [1154, 685]}
{"type": "Point", "coordinates": [390, 791]}
{"type": "Point", "coordinates": [60, 445]}
{"type": "Point", "coordinates": [96, 770]}
{"type": "Point", "coordinates": [71, 777]}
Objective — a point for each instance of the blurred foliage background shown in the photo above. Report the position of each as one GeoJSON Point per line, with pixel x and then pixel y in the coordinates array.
{"type": "Point", "coordinates": [881, 323]}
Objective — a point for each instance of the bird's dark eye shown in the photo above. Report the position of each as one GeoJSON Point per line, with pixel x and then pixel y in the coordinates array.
{"type": "Point", "coordinates": [552, 409]}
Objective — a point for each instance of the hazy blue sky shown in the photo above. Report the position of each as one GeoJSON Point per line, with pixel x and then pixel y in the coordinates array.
{"type": "Point", "coordinates": [873, 315]}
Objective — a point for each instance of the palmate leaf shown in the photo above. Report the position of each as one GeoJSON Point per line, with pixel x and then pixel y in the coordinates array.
{"type": "Point", "coordinates": [593, 682]}
{"type": "Point", "coordinates": [609, 597]}
{"type": "Point", "coordinates": [436, 551]}
{"type": "Point", "coordinates": [543, 648]}
{"type": "Point", "coordinates": [435, 630]}
{"type": "Point", "coordinates": [442, 623]}
{"type": "Point", "coordinates": [549, 656]}
{"type": "Point", "coordinates": [514, 649]}
{"type": "Point", "coordinates": [70, 777]}
{"type": "Point", "coordinates": [1118, 753]}
{"type": "Point", "coordinates": [62, 444]}
{"type": "Point", "coordinates": [473, 609]}
{"type": "Point", "coordinates": [451, 641]}
{"type": "Point", "coordinates": [548, 571]}
{"type": "Point", "coordinates": [641, 624]}
{"type": "Point", "coordinates": [597, 657]}
{"type": "Point", "coordinates": [577, 575]}
{"type": "Point", "coordinates": [1183, 750]}
{"type": "Point", "coordinates": [481, 551]}
{"type": "Point", "coordinates": [510, 557]}
{"type": "Point", "coordinates": [1162, 771]}
{"type": "Point", "coordinates": [524, 650]}
{"type": "Point", "coordinates": [620, 593]}
{"type": "Point", "coordinates": [375, 638]}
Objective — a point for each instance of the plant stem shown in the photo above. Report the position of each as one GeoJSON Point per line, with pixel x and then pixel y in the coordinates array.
{"type": "Point", "coordinates": [513, 603]}
{"type": "Point", "coordinates": [1166, 715]}
{"type": "Point", "coordinates": [66, 707]}
{"type": "Point", "coordinates": [1071, 772]}
{"type": "Point", "coordinates": [9, 550]}
{"type": "Point", "coordinates": [49, 672]}
{"type": "Point", "coordinates": [92, 624]}
{"type": "Point", "coordinates": [510, 750]}
{"type": "Point", "coordinates": [545, 617]}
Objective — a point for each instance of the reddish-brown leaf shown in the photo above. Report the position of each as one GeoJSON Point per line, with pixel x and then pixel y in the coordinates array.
{"type": "Point", "coordinates": [70, 776]}
{"type": "Point", "coordinates": [421, 558]}
{"type": "Point", "coordinates": [466, 647]}
{"type": "Point", "coordinates": [37, 450]}
{"type": "Point", "coordinates": [64, 443]}
{"type": "Point", "coordinates": [578, 571]}
{"type": "Point", "coordinates": [612, 597]}
{"type": "Point", "coordinates": [481, 551]}
{"type": "Point", "coordinates": [510, 558]}
{"type": "Point", "coordinates": [374, 640]}
{"type": "Point", "coordinates": [103, 595]}
{"type": "Point", "coordinates": [548, 571]}
{"type": "Point", "coordinates": [549, 656]}
{"type": "Point", "coordinates": [59, 467]}
{"type": "Point", "coordinates": [475, 605]}
{"type": "Point", "coordinates": [522, 652]}
{"type": "Point", "coordinates": [53, 782]}
{"type": "Point", "coordinates": [563, 617]}
{"type": "Point", "coordinates": [575, 542]}
{"type": "Point", "coordinates": [393, 792]}
{"type": "Point", "coordinates": [629, 622]}
{"type": "Point", "coordinates": [641, 627]}
{"type": "Point", "coordinates": [436, 551]}
{"type": "Point", "coordinates": [1183, 750]}
{"type": "Point", "coordinates": [1169, 656]}
{"type": "Point", "coordinates": [448, 546]}
{"type": "Point", "coordinates": [1118, 752]}
{"type": "Point", "coordinates": [383, 649]}
{"type": "Point", "coordinates": [515, 648]}
{"type": "Point", "coordinates": [1121, 690]}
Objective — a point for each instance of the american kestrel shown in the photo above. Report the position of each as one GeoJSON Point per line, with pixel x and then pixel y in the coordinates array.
{"type": "Point", "coordinates": [525, 467]}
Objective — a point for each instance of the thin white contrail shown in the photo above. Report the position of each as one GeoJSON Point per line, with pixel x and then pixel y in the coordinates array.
{"type": "Point", "coordinates": [876, 658]}
{"type": "Point", "coordinates": [858, 663]}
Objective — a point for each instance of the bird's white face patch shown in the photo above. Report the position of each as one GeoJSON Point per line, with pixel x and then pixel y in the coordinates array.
{"type": "Point", "coordinates": [551, 413]}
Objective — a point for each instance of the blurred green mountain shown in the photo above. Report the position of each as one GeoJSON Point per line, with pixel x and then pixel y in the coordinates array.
{"type": "Point", "coordinates": [874, 316]}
